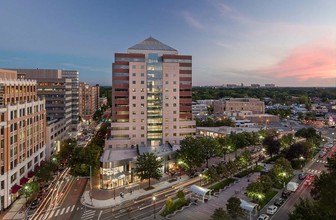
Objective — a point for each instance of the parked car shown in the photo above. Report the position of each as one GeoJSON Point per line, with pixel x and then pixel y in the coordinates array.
{"type": "Point", "coordinates": [285, 194]}
{"type": "Point", "coordinates": [263, 217]}
{"type": "Point", "coordinates": [271, 209]}
{"type": "Point", "coordinates": [34, 204]}
{"type": "Point", "coordinates": [279, 201]}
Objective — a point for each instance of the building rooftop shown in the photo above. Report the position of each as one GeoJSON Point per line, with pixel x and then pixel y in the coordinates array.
{"type": "Point", "coordinates": [151, 44]}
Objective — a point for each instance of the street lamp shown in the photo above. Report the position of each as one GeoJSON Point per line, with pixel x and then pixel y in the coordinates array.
{"type": "Point", "coordinates": [154, 199]}
{"type": "Point", "coordinates": [200, 179]}
{"type": "Point", "coordinates": [283, 174]}
{"type": "Point", "coordinates": [301, 161]}
{"type": "Point", "coordinates": [26, 193]}
{"type": "Point", "coordinates": [180, 166]}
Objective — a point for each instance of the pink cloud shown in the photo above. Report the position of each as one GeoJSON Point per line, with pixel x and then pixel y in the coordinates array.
{"type": "Point", "coordinates": [316, 60]}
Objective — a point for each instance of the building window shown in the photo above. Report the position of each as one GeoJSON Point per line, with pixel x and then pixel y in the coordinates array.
{"type": "Point", "coordinates": [133, 66]}
{"type": "Point", "coordinates": [166, 74]}
{"type": "Point", "coordinates": [133, 120]}
{"type": "Point", "coordinates": [133, 97]}
{"type": "Point", "coordinates": [174, 119]}
{"type": "Point", "coordinates": [142, 97]}
{"type": "Point", "coordinates": [166, 82]}
{"type": "Point", "coordinates": [174, 82]}
{"type": "Point", "coordinates": [142, 82]}
{"type": "Point", "coordinates": [133, 90]}
{"type": "Point", "coordinates": [133, 128]}
{"type": "Point", "coordinates": [133, 74]}
{"type": "Point", "coordinates": [133, 135]}
{"type": "Point", "coordinates": [134, 105]}
{"type": "Point", "coordinates": [134, 82]}
{"type": "Point", "coordinates": [167, 105]}
{"type": "Point", "coordinates": [142, 128]}
{"type": "Point", "coordinates": [142, 74]}
{"type": "Point", "coordinates": [142, 67]}
{"type": "Point", "coordinates": [142, 135]}
{"type": "Point", "coordinates": [174, 90]}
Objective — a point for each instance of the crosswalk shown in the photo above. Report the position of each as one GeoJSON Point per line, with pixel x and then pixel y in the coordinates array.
{"type": "Point", "coordinates": [87, 215]}
{"type": "Point", "coordinates": [321, 161]}
{"type": "Point", "coordinates": [311, 171]}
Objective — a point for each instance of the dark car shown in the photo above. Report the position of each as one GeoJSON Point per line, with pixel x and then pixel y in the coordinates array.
{"type": "Point", "coordinates": [279, 201]}
{"type": "Point", "coordinates": [34, 204]}
{"type": "Point", "coordinates": [285, 194]}
{"type": "Point", "coordinates": [302, 176]}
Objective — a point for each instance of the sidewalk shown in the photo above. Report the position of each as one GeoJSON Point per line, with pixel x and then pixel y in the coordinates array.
{"type": "Point", "coordinates": [107, 198]}
{"type": "Point", "coordinates": [16, 211]}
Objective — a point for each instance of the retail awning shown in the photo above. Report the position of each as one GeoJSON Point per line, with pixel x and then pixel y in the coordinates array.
{"type": "Point", "coordinates": [23, 180]}
{"type": "Point", "coordinates": [15, 188]}
{"type": "Point", "coordinates": [31, 174]}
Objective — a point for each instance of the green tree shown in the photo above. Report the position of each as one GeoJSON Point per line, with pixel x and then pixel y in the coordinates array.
{"type": "Point", "coordinates": [190, 153]}
{"type": "Point", "coordinates": [306, 209]}
{"type": "Point", "coordinates": [233, 207]}
{"type": "Point", "coordinates": [29, 188]}
{"type": "Point", "coordinates": [300, 149]}
{"type": "Point", "coordinates": [255, 190]}
{"type": "Point", "coordinates": [281, 170]}
{"type": "Point", "coordinates": [212, 175]}
{"type": "Point", "coordinates": [267, 183]}
{"type": "Point", "coordinates": [148, 166]}
{"type": "Point", "coordinates": [210, 148]}
{"type": "Point", "coordinates": [287, 140]}
{"type": "Point", "coordinates": [272, 145]}
{"type": "Point", "coordinates": [169, 204]}
{"type": "Point", "coordinates": [220, 214]}
{"type": "Point", "coordinates": [245, 158]}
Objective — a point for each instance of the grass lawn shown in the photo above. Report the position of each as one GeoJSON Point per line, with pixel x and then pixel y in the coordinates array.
{"type": "Point", "coordinates": [269, 195]}
{"type": "Point", "coordinates": [249, 170]}
{"type": "Point", "coordinates": [222, 184]}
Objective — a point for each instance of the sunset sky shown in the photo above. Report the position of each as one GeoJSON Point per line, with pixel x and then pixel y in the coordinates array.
{"type": "Point", "coordinates": [287, 42]}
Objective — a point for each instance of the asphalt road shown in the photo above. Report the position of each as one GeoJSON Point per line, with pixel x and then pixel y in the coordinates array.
{"type": "Point", "coordinates": [316, 166]}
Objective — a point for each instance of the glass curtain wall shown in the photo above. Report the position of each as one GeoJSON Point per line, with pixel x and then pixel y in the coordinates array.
{"type": "Point", "coordinates": [154, 100]}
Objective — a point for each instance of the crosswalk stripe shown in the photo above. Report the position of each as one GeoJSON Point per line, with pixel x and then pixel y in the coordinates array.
{"type": "Point", "coordinates": [62, 211]}
{"type": "Point", "coordinates": [56, 214]}
{"type": "Point", "coordinates": [67, 210]}
{"type": "Point", "coordinates": [52, 213]}
{"type": "Point", "coordinates": [72, 208]}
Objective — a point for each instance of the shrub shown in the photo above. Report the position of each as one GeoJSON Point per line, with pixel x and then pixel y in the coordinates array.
{"type": "Point", "coordinates": [169, 204]}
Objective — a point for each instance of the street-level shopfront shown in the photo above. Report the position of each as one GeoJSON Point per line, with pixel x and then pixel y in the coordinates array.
{"type": "Point", "coordinates": [117, 167]}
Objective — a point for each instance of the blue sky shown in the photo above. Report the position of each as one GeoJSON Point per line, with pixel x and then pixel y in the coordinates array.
{"type": "Point", "coordinates": [289, 43]}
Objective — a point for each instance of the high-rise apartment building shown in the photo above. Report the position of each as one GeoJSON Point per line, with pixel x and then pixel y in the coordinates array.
{"type": "Point", "coordinates": [151, 96]}
{"type": "Point", "coordinates": [61, 91]}
{"type": "Point", "coordinates": [89, 101]}
{"type": "Point", "coordinates": [22, 134]}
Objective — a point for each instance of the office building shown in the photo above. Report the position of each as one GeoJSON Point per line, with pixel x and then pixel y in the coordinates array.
{"type": "Point", "coordinates": [61, 91]}
{"type": "Point", "coordinates": [88, 100]}
{"type": "Point", "coordinates": [151, 107]}
{"type": "Point", "coordinates": [225, 106]}
{"type": "Point", "coordinates": [23, 137]}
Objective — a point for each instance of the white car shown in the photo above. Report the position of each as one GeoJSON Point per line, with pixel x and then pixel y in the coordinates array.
{"type": "Point", "coordinates": [263, 217]}
{"type": "Point", "coordinates": [271, 209]}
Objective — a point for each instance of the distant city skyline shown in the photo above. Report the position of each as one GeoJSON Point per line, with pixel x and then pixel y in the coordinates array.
{"type": "Point", "coordinates": [286, 43]}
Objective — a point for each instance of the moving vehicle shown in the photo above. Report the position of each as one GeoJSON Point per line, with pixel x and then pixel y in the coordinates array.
{"type": "Point", "coordinates": [322, 154]}
{"type": "Point", "coordinates": [292, 186]}
{"type": "Point", "coordinates": [263, 217]}
{"type": "Point", "coordinates": [302, 176]}
{"type": "Point", "coordinates": [279, 201]}
{"type": "Point", "coordinates": [271, 209]}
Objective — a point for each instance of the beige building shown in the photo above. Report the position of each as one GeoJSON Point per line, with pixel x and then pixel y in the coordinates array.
{"type": "Point", "coordinates": [151, 108]}
{"type": "Point", "coordinates": [88, 100]}
{"type": "Point", "coordinates": [225, 106]}
{"type": "Point", "coordinates": [22, 134]}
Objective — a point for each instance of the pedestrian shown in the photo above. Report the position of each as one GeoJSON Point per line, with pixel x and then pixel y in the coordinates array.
{"type": "Point", "coordinates": [131, 192]}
